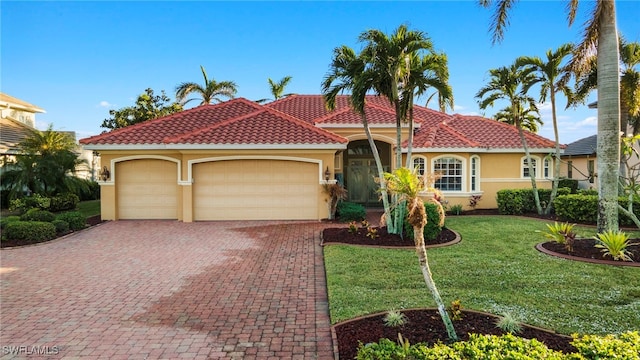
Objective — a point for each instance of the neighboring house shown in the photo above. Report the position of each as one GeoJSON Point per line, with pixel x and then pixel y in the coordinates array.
{"type": "Point", "coordinates": [242, 160]}
{"type": "Point", "coordinates": [579, 162]}
{"type": "Point", "coordinates": [17, 121]}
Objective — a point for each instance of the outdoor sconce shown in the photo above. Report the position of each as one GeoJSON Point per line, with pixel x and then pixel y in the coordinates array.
{"type": "Point", "coordinates": [105, 174]}
{"type": "Point", "coordinates": [327, 174]}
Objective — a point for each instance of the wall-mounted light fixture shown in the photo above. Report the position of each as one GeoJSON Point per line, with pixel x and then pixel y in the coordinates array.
{"type": "Point", "coordinates": [105, 174]}
{"type": "Point", "coordinates": [327, 174]}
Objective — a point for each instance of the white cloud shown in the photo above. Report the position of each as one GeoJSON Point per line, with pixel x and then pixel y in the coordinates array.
{"type": "Point", "coordinates": [458, 107]}
{"type": "Point", "coordinates": [105, 104]}
{"type": "Point", "coordinates": [544, 107]}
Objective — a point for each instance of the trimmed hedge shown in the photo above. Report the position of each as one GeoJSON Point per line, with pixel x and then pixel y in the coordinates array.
{"type": "Point", "coordinates": [61, 226]}
{"type": "Point", "coordinates": [75, 219]}
{"type": "Point", "coordinates": [584, 208]}
{"type": "Point", "coordinates": [572, 184]}
{"type": "Point", "coordinates": [38, 215]}
{"type": "Point", "coordinates": [623, 346]}
{"type": "Point", "coordinates": [348, 211]}
{"type": "Point", "coordinates": [64, 202]}
{"type": "Point", "coordinates": [431, 230]}
{"type": "Point", "coordinates": [521, 201]}
{"type": "Point", "coordinates": [29, 231]}
{"type": "Point", "coordinates": [5, 220]}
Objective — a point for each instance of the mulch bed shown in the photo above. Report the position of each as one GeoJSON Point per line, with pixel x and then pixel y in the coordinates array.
{"type": "Point", "coordinates": [425, 325]}
{"type": "Point", "coordinates": [343, 236]}
{"type": "Point", "coordinates": [585, 248]}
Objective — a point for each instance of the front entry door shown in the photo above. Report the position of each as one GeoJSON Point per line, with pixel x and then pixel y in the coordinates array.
{"type": "Point", "coordinates": [361, 172]}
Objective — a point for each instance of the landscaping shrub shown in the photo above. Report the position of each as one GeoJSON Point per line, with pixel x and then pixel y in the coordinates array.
{"type": "Point", "coordinates": [521, 201]}
{"type": "Point", "coordinates": [477, 347]}
{"type": "Point", "coordinates": [623, 346]}
{"type": "Point", "coordinates": [587, 192]}
{"type": "Point", "coordinates": [7, 219]}
{"type": "Point", "coordinates": [348, 211]}
{"type": "Point", "coordinates": [75, 219]}
{"type": "Point", "coordinates": [61, 226]}
{"type": "Point", "coordinates": [29, 231]}
{"type": "Point", "coordinates": [89, 192]}
{"type": "Point", "coordinates": [584, 208]}
{"type": "Point", "coordinates": [4, 199]}
{"type": "Point", "coordinates": [34, 201]}
{"type": "Point", "coordinates": [64, 202]}
{"type": "Point", "coordinates": [571, 184]}
{"type": "Point", "coordinates": [38, 215]}
{"type": "Point", "coordinates": [431, 230]}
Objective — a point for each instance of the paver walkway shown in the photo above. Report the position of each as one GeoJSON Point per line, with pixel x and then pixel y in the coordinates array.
{"type": "Point", "coordinates": [167, 289]}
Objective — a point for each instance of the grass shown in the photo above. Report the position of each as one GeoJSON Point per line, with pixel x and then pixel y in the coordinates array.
{"type": "Point", "coordinates": [89, 208]}
{"type": "Point", "coordinates": [494, 269]}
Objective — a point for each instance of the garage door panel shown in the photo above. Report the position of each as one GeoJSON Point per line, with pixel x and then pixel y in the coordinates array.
{"type": "Point", "coordinates": [147, 189]}
{"type": "Point", "coordinates": [255, 189]}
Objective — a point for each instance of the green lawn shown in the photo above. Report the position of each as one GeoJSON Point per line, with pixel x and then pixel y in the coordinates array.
{"type": "Point", "coordinates": [495, 269]}
{"type": "Point", "coordinates": [89, 208]}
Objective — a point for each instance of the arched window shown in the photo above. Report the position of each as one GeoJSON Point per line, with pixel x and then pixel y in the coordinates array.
{"type": "Point", "coordinates": [450, 171]}
{"type": "Point", "coordinates": [420, 163]}
{"type": "Point", "coordinates": [525, 166]}
{"type": "Point", "coordinates": [475, 173]}
{"type": "Point", "coordinates": [546, 169]}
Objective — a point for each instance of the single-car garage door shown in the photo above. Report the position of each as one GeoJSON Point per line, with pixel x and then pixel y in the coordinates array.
{"type": "Point", "coordinates": [255, 190]}
{"type": "Point", "coordinates": [147, 189]}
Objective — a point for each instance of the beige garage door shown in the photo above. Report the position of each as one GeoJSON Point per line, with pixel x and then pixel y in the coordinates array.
{"type": "Point", "coordinates": [255, 190]}
{"type": "Point", "coordinates": [147, 189]}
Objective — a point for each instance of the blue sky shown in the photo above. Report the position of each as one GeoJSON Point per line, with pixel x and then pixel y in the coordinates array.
{"type": "Point", "coordinates": [78, 59]}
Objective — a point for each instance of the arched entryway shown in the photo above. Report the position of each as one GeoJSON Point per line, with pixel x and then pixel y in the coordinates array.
{"type": "Point", "coordinates": [360, 171]}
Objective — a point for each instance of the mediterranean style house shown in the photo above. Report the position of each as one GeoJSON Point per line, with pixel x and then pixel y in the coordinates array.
{"type": "Point", "coordinates": [241, 160]}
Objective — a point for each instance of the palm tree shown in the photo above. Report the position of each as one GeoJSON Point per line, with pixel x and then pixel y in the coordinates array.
{"type": "Point", "coordinates": [424, 73]}
{"type": "Point", "coordinates": [552, 75]}
{"type": "Point", "coordinates": [407, 185]}
{"type": "Point", "coordinates": [210, 92]}
{"type": "Point", "coordinates": [347, 73]}
{"type": "Point", "coordinates": [528, 118]}
{"type": "Point", "coordinates": [600, 33]}
{"type": "Point", "coordinates": [277, 89]}
{"type": "Point", "coordinates": [389, 58]}
{"type": "Point", "coordinates": [45, 165]}
{"type": "Point", "coordinates": [511, 84]}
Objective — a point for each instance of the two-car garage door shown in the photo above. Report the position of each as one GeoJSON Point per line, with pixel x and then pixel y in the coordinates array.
{"type": "Point", "coordinates": [257, 189]}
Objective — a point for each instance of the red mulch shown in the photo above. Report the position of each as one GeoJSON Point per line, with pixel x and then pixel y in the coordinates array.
{"type": "Point", "coordinates": [342, 235]}
{"type": "Point", "coordinates": [585, 248]}
{"type": "Point", "coordinates": [426, 326]}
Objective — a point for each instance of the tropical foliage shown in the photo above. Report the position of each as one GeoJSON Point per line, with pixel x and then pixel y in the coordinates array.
{"type": "Point", "coordinates": [277, 89]}
{"type": "Point", "coordinates": [148, 106]}
{"type": "Point", "coordinates": [600, 32]}
{"type": "Point", "coordinates": [408, 185]}
{"type": "Point", "coordinates": [511, 84]}
{"type": "Point", "coordinates": [210, 91]}
{"type": "Point", "coordinates": [46, 165]}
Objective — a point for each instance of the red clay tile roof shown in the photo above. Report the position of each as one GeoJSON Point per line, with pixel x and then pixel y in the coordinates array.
{"type": "Point", "coordinates": [238, 121]}
{"type": "Point", "coordinates": [265, 126]}
{"type": "Point", "coordinates": [299, 119]}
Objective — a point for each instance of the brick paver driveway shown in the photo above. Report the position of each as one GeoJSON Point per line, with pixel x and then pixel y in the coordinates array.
{"type": "Point", "coordinates": [167, 289]}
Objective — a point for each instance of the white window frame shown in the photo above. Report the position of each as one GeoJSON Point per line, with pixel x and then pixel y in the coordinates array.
{"type": "Point", "coordinates": [424, 164]}
{"type": "Point", "coordinates": [474, 173]}
{"type": "Point", "coordinates": [546, 169]}
{"type": "Point", "coordinates": [536, 168]}
{"type": "Point", "coordinates": [463, 169]}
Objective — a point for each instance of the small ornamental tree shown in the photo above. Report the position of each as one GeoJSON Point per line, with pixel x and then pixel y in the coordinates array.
{"type": "Point", "coordinates": [407, 185]}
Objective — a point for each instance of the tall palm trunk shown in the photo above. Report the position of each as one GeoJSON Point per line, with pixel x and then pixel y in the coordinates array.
{"type": "Point", "coordinates": [608, 119]}
{"type": "Point", "coordinates": [417, 218]}
{"type": "Point", "coordinates": [556, 167]}
{"type": "Point", "coordinates": [532, 174]}
{"type": "Point", "coordinates": [383, 185]}
{"type": "Point", "coordinates": [410, 139]}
